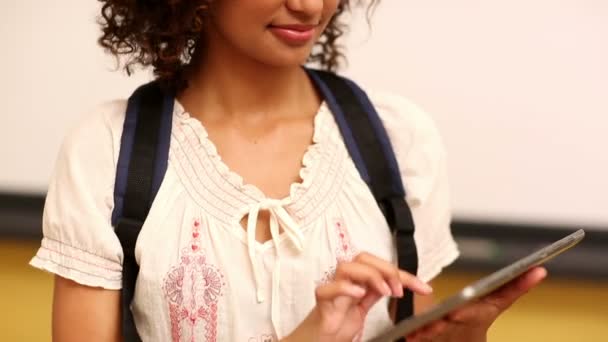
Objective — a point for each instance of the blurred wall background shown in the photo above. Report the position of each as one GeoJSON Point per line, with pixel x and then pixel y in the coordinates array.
{"type": "Point", "coordinates": [517, 88]}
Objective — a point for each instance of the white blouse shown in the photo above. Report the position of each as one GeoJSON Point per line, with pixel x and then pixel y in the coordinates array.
{"type": "Point", "coordinates": [202, 276]}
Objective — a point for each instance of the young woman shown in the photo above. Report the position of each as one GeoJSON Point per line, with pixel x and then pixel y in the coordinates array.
{"type": "Point", "coordinates": [259, 184]}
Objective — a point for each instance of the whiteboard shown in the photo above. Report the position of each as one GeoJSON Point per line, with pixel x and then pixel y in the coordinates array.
{"type": "Point", "coordinates": [519, 90]}
{"type": "Point", "coordinates": [53, 72]}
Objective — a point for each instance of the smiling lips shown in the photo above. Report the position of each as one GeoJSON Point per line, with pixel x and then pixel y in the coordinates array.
{"type": "Point", "coordinates": [293, 34]}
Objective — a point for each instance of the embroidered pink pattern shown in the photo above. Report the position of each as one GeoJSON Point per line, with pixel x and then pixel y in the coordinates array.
{"type": "Point", "coordinates": [192, 290]}
{"type": "Point", "coordinates": [345, 251]}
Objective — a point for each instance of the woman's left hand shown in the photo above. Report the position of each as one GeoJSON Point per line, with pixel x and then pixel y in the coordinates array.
{"type": "Point", "coordinates": [472, 322]}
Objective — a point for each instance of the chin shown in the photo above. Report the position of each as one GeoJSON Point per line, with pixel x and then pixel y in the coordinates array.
{"type": "Point", "coordinates": [286, 57]}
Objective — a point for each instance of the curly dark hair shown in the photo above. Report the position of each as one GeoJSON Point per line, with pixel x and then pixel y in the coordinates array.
{"type": "Point", "coordinates": [166, 35]}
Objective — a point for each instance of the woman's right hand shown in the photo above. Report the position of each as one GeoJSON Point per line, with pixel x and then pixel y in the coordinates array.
{"type": "Point", "coordinates": [343, 303]}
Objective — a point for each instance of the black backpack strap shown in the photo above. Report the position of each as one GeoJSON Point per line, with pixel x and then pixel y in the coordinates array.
{"type": "Point", "coordinates": [372, 153]}
{"type": "Point", "coordinates": [141, 167]}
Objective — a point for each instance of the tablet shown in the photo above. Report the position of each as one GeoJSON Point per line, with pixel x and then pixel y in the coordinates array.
{"type": "Point", "coordinates": [481, 288]}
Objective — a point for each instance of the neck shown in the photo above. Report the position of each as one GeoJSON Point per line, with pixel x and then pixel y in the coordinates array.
{"type": "Point", "coordinates": [232, 85]}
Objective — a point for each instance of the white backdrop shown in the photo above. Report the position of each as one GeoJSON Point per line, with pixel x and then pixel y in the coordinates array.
{"type": "Point", "coordinates": [518, 88]}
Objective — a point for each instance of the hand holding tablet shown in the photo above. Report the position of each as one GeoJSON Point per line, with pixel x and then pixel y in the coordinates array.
{"type": "Point", "coordinates": [481, 288]}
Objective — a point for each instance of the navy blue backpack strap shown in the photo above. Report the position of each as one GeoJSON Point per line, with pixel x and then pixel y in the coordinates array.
{"type": "Point", "coordinates": [141, 167]}
{"type": "Point", "coordinates": [372, 152]}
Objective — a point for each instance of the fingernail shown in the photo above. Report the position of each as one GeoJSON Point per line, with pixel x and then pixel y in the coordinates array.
{"type": "Point", "coordinates": [426, 287]}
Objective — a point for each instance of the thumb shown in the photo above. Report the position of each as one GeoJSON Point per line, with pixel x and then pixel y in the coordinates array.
{"type": "Point", "coordinates": [504, 297]}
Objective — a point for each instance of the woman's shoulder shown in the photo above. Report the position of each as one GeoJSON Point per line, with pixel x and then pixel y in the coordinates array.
{"type": "Point", "coordinates": [398, 110]}
{"type": "Point", "coordinates": [81, 191]}
{"type": "Point", "coordinates": [105, 117]}
{"type": "Point", "coordinates": [96, 132]}
{"type": "Point", "coordinates": [407, 124]}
